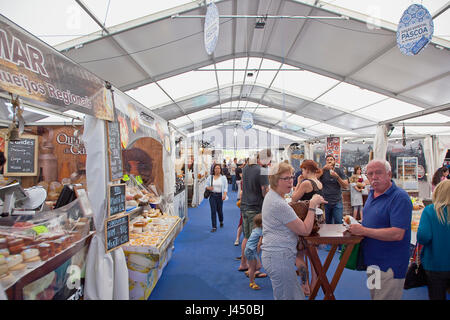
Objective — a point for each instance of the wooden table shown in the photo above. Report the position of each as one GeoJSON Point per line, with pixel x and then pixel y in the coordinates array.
{"type": "Point", "coordinates": [333, 234]}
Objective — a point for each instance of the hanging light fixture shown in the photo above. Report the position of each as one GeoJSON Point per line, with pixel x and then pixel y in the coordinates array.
{"type": "Point", "coordinates": [403, 136]}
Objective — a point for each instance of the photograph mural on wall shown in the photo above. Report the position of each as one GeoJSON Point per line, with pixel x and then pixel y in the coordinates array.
{"type": "Point", "coordinates": [144, 139]}
{"type": "Point", "coordinates": [358, 154]}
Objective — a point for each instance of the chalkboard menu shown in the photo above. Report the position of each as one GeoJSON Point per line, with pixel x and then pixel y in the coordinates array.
{"type": "Point", "coordinates": [117, 232]}
{"type": "Point", "coordinates": [114, 151]}
{"type": "Point", "coordinates": [21, 156]}
{"type": "Point", "coordinates": [116, 199]}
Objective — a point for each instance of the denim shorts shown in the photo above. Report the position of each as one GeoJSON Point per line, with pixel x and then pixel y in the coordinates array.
{"type": "Point", "coordinates": [250, 254]}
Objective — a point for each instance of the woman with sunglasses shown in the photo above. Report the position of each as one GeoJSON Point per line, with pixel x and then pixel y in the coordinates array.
{"type": "Point", "coordinates": [281, 228]}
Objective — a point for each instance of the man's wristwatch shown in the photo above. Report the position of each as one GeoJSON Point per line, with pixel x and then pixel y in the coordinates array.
{"type": "Point", "coordinates": [312, 209]}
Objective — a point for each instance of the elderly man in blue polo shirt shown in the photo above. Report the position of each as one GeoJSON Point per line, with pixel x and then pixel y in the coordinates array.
{"type": "Point", "coordinates": [386, 227]}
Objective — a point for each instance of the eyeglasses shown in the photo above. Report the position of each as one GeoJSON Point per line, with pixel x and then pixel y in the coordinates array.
{"type": "Point", "coordinates": [287, 178]}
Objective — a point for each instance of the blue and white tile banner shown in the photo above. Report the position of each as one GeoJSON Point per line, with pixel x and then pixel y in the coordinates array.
{"type": "Point", "coordinates": [211, 28]}
{"type": "Point", "coordinates": [415, 30]}
{"type": "Point", "coordinates": [246, 120]}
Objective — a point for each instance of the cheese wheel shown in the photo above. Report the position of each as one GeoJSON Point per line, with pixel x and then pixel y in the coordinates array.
{"type": "Point", "coordinates": [30, 253]}
{"type": "Point", "coordinates": [14, 260]}
{"type": "Point", "coordinates": [18, 267]}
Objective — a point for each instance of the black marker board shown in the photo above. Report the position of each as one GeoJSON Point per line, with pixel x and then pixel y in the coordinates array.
{"type": "Point", "coordinates": [114, 151]}
{"type": "Point", "coordinates": [117, 232]}
{"type": "Point", "coordinates": [21, 156]}
{"type": "Point", "coordinates": [116, 199]}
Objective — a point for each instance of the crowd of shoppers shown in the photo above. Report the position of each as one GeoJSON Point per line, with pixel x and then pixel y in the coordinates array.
{"type": "Point", "coordinates": [272, 229]}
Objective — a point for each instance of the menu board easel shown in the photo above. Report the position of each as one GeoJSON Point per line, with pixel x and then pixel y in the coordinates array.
{"type": "Point", "coordinates": [21, 156]}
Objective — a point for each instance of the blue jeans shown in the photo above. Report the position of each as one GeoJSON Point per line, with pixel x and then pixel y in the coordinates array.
{"type": "Point", "coordinates": [233, 183]}
{"type": "Point", "coordinates": [216, 204]}
{"type": "Point", "coordinates": [333, 213]}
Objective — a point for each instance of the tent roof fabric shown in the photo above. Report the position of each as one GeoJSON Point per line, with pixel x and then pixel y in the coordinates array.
{"type": "Point", "coordinates": [306, 77]}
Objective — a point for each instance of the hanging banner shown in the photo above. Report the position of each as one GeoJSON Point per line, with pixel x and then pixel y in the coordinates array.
{"type": "Point", "coordinates": [297, 156]}
{"type": "Point", "coordinates": [211, 28]}
{"type": "Point", "coordinates": [32, 69]}
{"type": "Point", "coordinates": [415, 30]}
{"type": "Point", "coordinates": [334, 148]}
{"type": "Point", "coordinates": [246, 120]}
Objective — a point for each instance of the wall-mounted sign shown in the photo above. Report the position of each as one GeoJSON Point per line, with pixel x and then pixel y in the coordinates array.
{"type": "Point", "coordinates": [21, 156]}
{"type": "Point", "coordinates": [75, 145]}
{"type": "Point", "coordinates": [116, 199]}
{"type": "Point", "coordinates": [415, 30]}
{"type": "Point", "coordinates": [114, 151]}
{"type": "Point", "coordinates": [211, 28]}
{"type": "Point", "coordinates": [32, 69]}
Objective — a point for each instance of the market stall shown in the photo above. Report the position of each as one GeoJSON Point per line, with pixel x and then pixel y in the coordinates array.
{"type": "Point", "coordinates": [122, 151]}
{"type": "Point", "coordinates": [46, 224]}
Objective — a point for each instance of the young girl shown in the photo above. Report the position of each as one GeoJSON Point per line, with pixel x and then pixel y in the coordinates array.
{"type": "Point", "coordinates": [252, 250]}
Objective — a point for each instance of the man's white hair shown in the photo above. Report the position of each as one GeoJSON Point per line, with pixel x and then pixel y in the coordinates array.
{"type": "Point", "coordinates": [386, 164]}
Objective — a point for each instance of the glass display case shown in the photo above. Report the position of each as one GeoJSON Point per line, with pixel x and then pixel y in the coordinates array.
{"type": "Point", "coordinates": [407, 173]}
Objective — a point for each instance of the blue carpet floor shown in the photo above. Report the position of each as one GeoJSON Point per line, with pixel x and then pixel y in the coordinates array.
{"type": "Point", "coordinates": [203, 265]}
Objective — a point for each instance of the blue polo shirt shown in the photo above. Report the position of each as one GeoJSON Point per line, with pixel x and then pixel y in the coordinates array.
{"type": "Point", "coordinates": [390, 209]}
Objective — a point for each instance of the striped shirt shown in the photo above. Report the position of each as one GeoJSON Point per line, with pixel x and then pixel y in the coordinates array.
{"type": "Point", "coordinates": [276, 213]}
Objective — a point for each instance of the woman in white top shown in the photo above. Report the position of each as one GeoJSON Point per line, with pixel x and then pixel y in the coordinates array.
{"type": "Point", "coordinates": [281, 228]}
{"type": "Point", "coordinates": [358, 183]}
{"type": "Point", "coordinates": [219, 188]}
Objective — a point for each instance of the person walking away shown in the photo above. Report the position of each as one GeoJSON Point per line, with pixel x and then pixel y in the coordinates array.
{"type": "Point", "coordinates": [333, 180]}
{"type": "Point", "coordinates": [281, 229]}
{"type": "Point", "coordinates": [219, 190]}
{"type": "Point", "coordinates": [233, 167]}
{"type": "Point", "coordinates": [387, 230]}
{"type": "Point", "coordinates": [434, 234]}
{"type": "Point", "coordinates": [357, 185]}
{"type": "Point", "coordinates": [440, 175]}
{"type": "Point", "coordinates": [239, 192]}
{"type": "Point", "coordinates": [252, 250]}
{"type": "Point", "coordinates": [255, 185]}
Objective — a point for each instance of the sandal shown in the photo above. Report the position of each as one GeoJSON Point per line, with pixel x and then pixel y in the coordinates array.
{"type": "Point", "coordinates": [254, 286]}
{"type": "Point", "coordinates": [236, 243]}
{"type": "Point", "coordinates": [258, 274]}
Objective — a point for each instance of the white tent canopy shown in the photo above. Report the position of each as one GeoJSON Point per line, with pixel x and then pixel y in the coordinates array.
{"type": "Point", "coordinates": [303, 78]}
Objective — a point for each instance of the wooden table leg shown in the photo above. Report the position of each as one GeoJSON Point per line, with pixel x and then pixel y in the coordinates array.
{"type": "Point", "coordinates": [321, 273]}
{"type": "Point", "coordinates": [341, 266]}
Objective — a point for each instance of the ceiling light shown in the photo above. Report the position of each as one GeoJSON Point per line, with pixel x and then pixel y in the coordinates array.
{"type": "Point", "coordinates": [260, 24]}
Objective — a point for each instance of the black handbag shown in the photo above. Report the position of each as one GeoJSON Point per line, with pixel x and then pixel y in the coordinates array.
{"type": "Point", "coordinates": [415, 276]}
{"type": "Point", "coordinates": [207, 192]}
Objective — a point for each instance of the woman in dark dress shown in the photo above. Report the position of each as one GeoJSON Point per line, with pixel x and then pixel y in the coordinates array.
{"type": "Point", "coordinates": [307, 186]}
